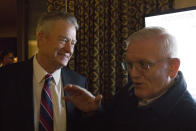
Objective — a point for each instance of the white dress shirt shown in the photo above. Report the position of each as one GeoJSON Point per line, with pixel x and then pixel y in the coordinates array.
{"type": "Point", "coordinates": [56, 88]}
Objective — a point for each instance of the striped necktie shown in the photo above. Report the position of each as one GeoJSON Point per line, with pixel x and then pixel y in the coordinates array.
{"type": "Point", "coordinates": [46, 109]}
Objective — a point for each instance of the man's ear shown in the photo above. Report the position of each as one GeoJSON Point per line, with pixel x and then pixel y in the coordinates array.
{"type": "Point", "coordinates": [40, 37]}
{"type": "Point", "coordinates": [174, 64]}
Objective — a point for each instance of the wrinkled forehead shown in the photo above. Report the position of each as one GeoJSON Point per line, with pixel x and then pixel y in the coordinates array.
{"type": "Point", "coordinates": [144, 49]}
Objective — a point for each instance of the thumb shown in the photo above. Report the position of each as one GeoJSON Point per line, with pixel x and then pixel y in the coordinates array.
{"type": "Point", "coordinates": [67, 98]}
{"type": "Point", "coordinates": [98, 99]}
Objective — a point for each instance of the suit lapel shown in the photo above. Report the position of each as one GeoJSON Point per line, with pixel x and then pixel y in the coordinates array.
{"type": "Point", "coordinates": [65, 80]}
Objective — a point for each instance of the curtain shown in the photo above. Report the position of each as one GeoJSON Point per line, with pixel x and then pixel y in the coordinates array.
{"type": "Point", "coordinates": [104, 27]}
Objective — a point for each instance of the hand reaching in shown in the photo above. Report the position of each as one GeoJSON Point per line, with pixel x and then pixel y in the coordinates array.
{"type": "Point", "coordinates": [82, 98]}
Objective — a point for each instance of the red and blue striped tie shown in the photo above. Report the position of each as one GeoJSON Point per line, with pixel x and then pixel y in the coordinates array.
{"type": "Point", "coordinates": [46, 109]}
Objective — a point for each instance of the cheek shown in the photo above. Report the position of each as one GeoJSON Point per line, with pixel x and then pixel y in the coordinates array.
{"type": "Point", "coordinates": [158, 79]}
{"type": "Point", "coordinates": [55, 47]}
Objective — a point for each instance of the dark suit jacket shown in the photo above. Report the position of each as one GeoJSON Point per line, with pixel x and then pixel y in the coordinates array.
{"type": "Point", "coordinates": [16, 111]}
{"type": "Point", "coordinates": [173, 111]}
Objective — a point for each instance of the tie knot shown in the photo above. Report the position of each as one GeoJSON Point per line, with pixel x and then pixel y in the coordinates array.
{"type": "Point", "coordinates": [48, 77]}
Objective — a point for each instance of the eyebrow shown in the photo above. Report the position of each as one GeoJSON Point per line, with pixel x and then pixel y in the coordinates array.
{"type": "Point", "coordinates": [64, 37]}
{"type": "Point", "coordinates": [143, 60]}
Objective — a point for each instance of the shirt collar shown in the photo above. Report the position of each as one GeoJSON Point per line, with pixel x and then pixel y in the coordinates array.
{"type": "Point", "coordinates": [40, 72]}
{"type": "Point", "coordinates": [149, 101]}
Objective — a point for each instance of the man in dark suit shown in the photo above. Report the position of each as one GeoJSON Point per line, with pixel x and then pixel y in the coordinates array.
{"type": "Point", "coordinates": [22, 83]}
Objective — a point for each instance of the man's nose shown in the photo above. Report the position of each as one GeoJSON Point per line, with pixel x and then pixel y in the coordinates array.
{"type": "Point", "coordinates": [134, 72]}
{"type": "Point", "coordinates": [68, 47]}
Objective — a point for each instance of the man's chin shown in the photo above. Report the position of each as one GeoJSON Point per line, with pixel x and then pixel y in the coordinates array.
{"type": "Point", "coordinates": [63, 62]}
{"type": "Point", "coordinates": [140, 94]}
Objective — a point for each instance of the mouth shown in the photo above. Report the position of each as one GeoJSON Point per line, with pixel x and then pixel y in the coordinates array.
{"type": "Point", "coordinates": [64, 55]}
{"type": "Point", "coordinates": [137, 84]}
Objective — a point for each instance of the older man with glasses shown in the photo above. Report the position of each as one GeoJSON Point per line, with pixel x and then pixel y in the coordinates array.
{"type": "Point", "coordinates": [155, 99]}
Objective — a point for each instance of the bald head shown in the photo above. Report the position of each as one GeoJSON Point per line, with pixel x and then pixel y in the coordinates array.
{"type": "Point", "coordinates": [165, 41]}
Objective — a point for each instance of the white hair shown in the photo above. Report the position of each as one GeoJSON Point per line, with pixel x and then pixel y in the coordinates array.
{"type": "Point", "coordinates": [47, 20]}
{"type": "Point", "coordinates": [166, 40]}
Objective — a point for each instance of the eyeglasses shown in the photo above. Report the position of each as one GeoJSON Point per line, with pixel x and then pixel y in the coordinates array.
{"type": "Point", "coordinates": [141, 66]}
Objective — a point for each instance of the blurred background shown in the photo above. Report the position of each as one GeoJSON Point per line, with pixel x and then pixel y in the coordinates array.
{"type": "Point", "coordinates": [104, 27]}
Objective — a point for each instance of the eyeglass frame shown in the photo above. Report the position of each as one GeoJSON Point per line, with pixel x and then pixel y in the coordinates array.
{"type": "Point", "coordinates": [142, 65]}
